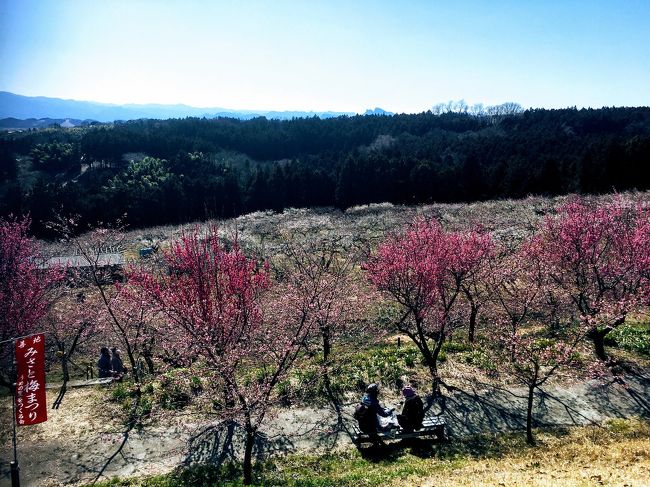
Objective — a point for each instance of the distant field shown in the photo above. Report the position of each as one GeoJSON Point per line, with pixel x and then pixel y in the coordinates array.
{"type": "Point", "coordinates": [367, 224]}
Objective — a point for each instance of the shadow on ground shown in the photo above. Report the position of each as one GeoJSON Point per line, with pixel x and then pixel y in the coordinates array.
{"type": "Point", "coordinates": [222, 443]}
{"type": "Point", "coordinates": [472, 410]}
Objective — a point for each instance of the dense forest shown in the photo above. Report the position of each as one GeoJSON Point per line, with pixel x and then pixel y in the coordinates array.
{"type": "Point", "coordinates": [179, 170]}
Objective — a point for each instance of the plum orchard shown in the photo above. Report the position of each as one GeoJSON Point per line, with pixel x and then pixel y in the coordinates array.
{"type": "Point", "coordinates": [209, 308]}
{"type": "Point", "coordinates": [579, 276]}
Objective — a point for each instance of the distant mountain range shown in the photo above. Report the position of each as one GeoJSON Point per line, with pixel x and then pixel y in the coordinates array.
{"type": "Point", "coordinates": [12, 123]}
{"type": "Point", "coordinates": [46, 111]}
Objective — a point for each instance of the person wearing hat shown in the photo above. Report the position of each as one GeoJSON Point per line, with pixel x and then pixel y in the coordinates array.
{"type": "Point", "coordinates": [412, 413]}
{"type": "Point", "coordinates": [371, 398]}
{"type": "Point", "coordinates": [366, 417]}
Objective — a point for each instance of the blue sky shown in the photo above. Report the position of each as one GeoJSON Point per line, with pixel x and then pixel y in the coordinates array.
{"type": "Point", "coordinates": [403, 56]}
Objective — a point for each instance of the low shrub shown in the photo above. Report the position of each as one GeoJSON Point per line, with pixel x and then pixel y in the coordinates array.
{"type": "Point", "coordinates": [174, 390]}
{"type": "Point", "coordinates": [456, 347]}
{"type": "Point", "coordinates": [481, 358]}
{"type": "Point", "coordinates": [634, 337]}
{"type": "Point", "coordinates": [120, 392]}
{"type": "Point", "coordinates": [353, 372]}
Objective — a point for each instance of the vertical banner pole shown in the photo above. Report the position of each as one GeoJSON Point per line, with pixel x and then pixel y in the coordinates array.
{"type": "Point", "coordinates": [15, 469]}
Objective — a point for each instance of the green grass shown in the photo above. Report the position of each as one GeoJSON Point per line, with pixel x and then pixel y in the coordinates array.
{"type": "Point", "coordinates": [634, 337]}
{"type": "Point", "coordinates": [353, 370]}
{"type": "Point", "coordinates": [385, 363]}
{"type": "Point", "coordinates": [350, 468]}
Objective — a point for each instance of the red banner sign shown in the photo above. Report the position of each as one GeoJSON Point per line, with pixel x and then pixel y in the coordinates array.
{"type": "Point", "coordinates": [31, 407]}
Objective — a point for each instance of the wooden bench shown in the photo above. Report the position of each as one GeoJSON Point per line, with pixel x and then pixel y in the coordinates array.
{"type": "Point", "coordinates": [431, 426]}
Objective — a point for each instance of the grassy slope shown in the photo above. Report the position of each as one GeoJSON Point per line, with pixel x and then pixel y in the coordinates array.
{"type": "Point", "coordinates": [617, 453]}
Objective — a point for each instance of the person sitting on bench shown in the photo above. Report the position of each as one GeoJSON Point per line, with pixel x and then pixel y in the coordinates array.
{"type": "Point", "coordinates": [412, 412]}
{"type": "Point", "coordinates": [117, 365]}
{"type": "Point", "coordinates": [370, 402]}
{"type": "Point", "coordinates": [366, 417]}
{"type": "Point", "coordinates": [104, 364]}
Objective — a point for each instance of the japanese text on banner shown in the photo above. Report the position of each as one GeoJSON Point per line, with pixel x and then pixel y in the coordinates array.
{"type": "Point", "coordinates": [31, 407]}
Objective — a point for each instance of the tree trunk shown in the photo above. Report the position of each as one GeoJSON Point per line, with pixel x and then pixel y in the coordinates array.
{"type": "Point", "coordinates": [432, 362]}
{"type": "Point", "coordinates": [64, 368]}
{"type": "Point", "coordinates": [598, 338]}
{"type": "Point", "coordinates": [66, 375]}
{"type": "Point", "coordinates": [472, 323]}
{"type": "Point", "coordinates": [248, 456]}
{"type": "Point", "coordinates": [135, 373]}
{"type": "Point", "coordinates": [327, 349]}
{"type": "Point", "coordinates": [150, 365]}
{"type": "Point", "coordinates": [435, 378]}
{"type": "Point", "coordinates": [327, 344]}
{"type": "Point", "coordinates": [529, 415]}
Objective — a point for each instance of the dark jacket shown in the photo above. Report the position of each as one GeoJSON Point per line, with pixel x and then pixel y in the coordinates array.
{"type": "Point", "coordinates": [375, 407]}
{"type": "Point", "coordinates": [117, 365]}
{"type": "Point", "coordinates": [412, 413]}
{"type": "Point", "coordinates": [104, 366]}
{"type": "Point", "coordinates": [366, 417]}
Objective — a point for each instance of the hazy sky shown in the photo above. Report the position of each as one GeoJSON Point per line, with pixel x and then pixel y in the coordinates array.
{"type": "Point", "coordinates": [403, 56]}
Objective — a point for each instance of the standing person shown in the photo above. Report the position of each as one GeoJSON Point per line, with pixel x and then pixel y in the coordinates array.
{"type": "Point", "coordinates": [116, 364]}
{"type": "Point", "coordinates": [412, 412]}
{"type": "Point", "coordinates": [104, 364]}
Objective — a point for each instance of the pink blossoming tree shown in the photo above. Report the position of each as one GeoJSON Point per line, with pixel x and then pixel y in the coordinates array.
{"type": "Point", "coordinates": [71, 324]}
{"type": "Point", "coordinates": [321, 280]}
{"type": "Point", "coordinates": [220, 312]}
{"type": "Point", "coordinates": [424, 270]}
{"type": "Point", "coordinates": [25, 288]}
{"type": "Point", "coordinates": [597, 256]}
{"type": "Point", "coordinates": [120, 318]}
{"type": "Point", "coordinates": [533, 357]}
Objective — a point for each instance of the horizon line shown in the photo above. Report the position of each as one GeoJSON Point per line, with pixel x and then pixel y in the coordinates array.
{"type": "Point", "coordinates": [445, 104]}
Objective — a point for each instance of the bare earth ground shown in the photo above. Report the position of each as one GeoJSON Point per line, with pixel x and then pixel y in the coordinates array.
{"type": "Point", "coordinates": [77, 439]}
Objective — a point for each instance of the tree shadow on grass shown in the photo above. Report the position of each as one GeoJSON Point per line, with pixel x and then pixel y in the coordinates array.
{"type": "Point", "coordinates": [487, 408]}
{"type": "Point", "coordinates": [475, 411]}
{"type": "Point", "coordinates": [222, 443]}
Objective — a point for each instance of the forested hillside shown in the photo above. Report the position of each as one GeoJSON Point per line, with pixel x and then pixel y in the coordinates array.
{"type": "Point", "coordinates": [181, 170]}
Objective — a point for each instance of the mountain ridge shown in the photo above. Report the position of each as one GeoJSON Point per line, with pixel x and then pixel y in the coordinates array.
{"type": "Point", "coordinates": [23, 107]}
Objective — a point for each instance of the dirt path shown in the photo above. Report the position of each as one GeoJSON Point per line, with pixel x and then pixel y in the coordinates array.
{"type": "Point", "coordinates": [50, 457]}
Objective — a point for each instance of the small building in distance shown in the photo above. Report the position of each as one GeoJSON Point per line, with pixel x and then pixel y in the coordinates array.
{"type": "Point", "coordinates": [79, 267]}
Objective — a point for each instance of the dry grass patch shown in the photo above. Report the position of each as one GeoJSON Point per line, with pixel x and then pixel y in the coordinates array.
{"type": "Point", "coordinates": [84, 413]}
{"type": "Point", "coordinates": [616, 454]}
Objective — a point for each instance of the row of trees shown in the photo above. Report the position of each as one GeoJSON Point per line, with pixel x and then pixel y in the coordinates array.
{"type": "Point", "coordinates": [199, 169]}
{"type": "Point", "coordinates": [242, 322]}
{"type": "Point", "coordinates": [579, 277]}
